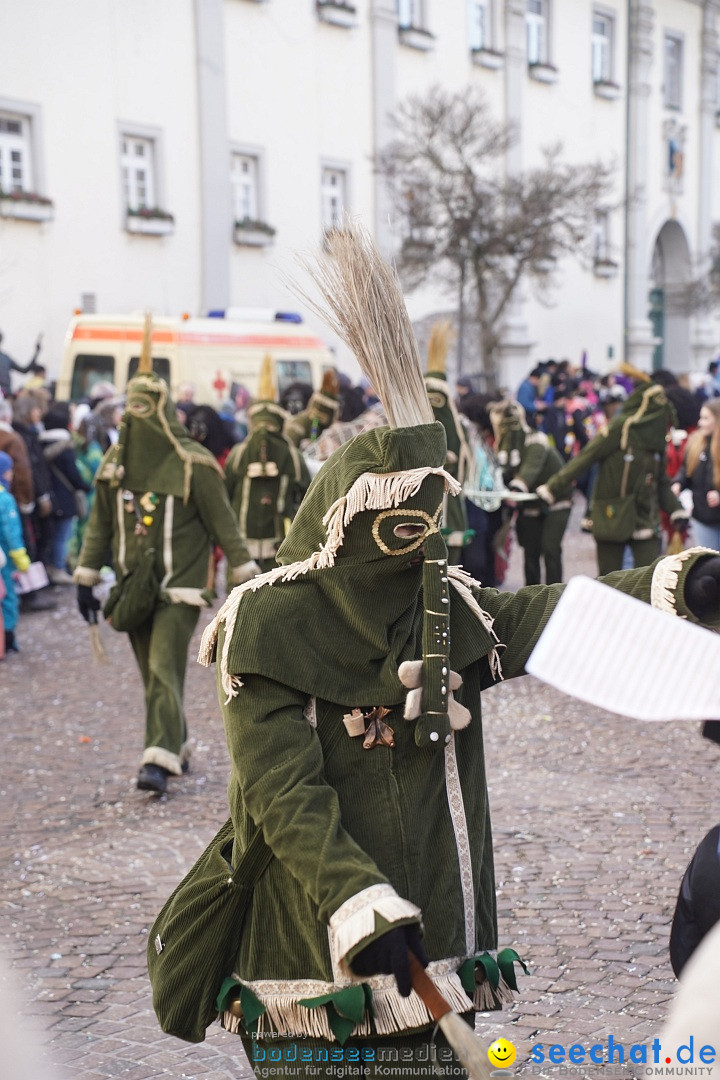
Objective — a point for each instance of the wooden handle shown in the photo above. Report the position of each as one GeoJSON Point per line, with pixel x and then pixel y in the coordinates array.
{"type": "Point", "coordinates": [425, 988]}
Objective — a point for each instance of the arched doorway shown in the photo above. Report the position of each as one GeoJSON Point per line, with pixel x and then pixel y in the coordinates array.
{"type": "Point", "coordinates": [668, 312]}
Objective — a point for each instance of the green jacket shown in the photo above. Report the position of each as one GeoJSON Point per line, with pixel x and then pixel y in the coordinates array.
{"type": "Point", "coordinates": [539, 461]}
{"type": "Point", "coordinates": [638, 471]}
{"type": "Point", "coordinates": [366, 839]}
{"type": "Point", "coordinates": [181, 533]}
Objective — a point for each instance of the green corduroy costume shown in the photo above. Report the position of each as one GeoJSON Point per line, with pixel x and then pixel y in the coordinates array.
{"type": "Point", "coordinates": [528, 461]}
{"type": "Point", "coordinates": [365, 625]}
{"type": "Point", "coordinates": [631, 455]}
{"type": "Point", "coordinates": [323, 409]}
{"type": "Point", "coordinates": [159, 489]}
{"type": "Point", "coordinates": [266, 478]}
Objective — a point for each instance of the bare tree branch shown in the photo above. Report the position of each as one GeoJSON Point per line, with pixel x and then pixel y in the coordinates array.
{"type": "Point", "coordinates": [463, 219]}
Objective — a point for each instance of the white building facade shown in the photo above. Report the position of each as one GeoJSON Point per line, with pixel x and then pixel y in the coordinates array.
{"type": "Point", "coordinates": [174, 155]}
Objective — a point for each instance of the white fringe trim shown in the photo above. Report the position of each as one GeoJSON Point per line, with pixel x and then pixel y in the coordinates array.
{"type": "Point", "coordinates": [462, 582]}
{"type": "Point", "coordinates": [665, 578]}
{"type": "Point", "coordinates": [355, 919]}
{"type": "Point", "coordinates": [486, 999]}
{"type": "Point", "coordinates": [83, 575]}
{"type": "Point", "coordinates": [393, 1013]}
{"type": "Point", "coordinates": [371, 491]}
{"type": "Point", "coordinates": [156, 755]}
{"type": "Point", "coordinates": [183, 595]}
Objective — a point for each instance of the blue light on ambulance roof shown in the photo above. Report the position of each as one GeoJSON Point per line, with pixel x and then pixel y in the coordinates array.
{"type": "Point", "coordinates": [288, 316]}
{"type": "Point", "coordinates": [217, 313]}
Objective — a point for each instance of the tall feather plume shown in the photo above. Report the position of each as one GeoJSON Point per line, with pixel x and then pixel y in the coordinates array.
{"type": "Point", "coordinates": [145, 363]}
{"type": "Point", "coordinates": [362, 303]}
{"type": "Point", "coordinates": [441, 336]}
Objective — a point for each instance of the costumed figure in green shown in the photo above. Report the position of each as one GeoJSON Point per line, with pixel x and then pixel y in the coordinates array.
{"type": "Point", "coordinates": [632, 484]}
{"type": "Point", "coordinates": [459, 454]}
{"type": "Point", "coordinates": [323, 409]}
{"type": "Point", "coordinates": [528, 460]}
{"type": "Point", "coordinates": [160, 503]}
{"type": "Point", "coordinates": [350, 679]}
{"type": "Point", "coordinates": [266, 476]}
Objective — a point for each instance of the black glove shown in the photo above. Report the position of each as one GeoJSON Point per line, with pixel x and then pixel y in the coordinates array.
{"type": "Point", "coordinates": [702, 587]}
{"type": "Point", "coordinates": [87, 603]}
{"type": "Point", "coordinates": [388, 955]}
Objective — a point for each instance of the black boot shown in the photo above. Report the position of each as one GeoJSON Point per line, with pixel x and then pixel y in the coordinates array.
{"type": "Point", "coordinates": [10, 642]}
{"type": "Point", "coordinates": [152, 778]}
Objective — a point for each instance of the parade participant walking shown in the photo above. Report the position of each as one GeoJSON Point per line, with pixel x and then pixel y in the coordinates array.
{"type": "Point", "coordinates": [459, 455]}
{"type": "Point", "coordinates": [528, 461]}
{"type": "Point", "coordinates": [322, 410]}
{"type": "Point", "coordinates": [632, 484]}
{"type": "Point", "coordinates": [160, 501]}
{"type": "Point", "coordinates": [700, 473]}
{"type": "Point", "coordinates": [266, 476]}
{"type": "Point", "coordinates": [350, 680]}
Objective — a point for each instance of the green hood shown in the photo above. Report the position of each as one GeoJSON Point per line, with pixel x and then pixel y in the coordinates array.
{"type": "Point", "coordinates": [645, 418]}
{"type": "Point", "coordinates": [345, 607]}
{"type": "Point", "coordinates": [443, 407]}
{"type": "Point", "coordinates": [154, 451]}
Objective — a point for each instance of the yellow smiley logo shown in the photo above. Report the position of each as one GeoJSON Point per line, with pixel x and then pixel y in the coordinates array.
{"type": "Point", "coordinates": [501, 1053]}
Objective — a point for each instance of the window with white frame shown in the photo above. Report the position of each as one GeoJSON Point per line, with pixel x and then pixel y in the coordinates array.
{"type": "Point", "coordinates": [479, 22]}
{"type": "Point", "coordinates": [603, 38]}
{"type": "Point", "coordinates": [15, 155]}
{"type": "Point", "coordinates": [536, 18]}
{"type": "Point", "coordinates": [672, 71]}
{"type": "Point", "coordinates": [411, 13]}
{"type": "Point", "coordinates": [137, 160]}
{"type": "Point", "coordinates": [334, 196]}
{"type": "Point", "coordinates": [245, 180]}
{"type": "Point", "coordinates": [601, 236]}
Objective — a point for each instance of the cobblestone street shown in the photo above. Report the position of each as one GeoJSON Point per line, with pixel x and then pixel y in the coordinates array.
{"type": "Point", "coordinates": [595, 818]}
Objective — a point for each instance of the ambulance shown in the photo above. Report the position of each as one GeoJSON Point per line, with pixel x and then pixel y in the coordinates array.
{"type": "Point", "coordinates": [218, 354]}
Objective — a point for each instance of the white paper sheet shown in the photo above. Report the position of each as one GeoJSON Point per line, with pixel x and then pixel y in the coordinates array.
{"type": "Point", "coordinates": [622, 655]}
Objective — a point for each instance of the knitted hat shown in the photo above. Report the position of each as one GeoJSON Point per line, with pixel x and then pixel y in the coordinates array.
{"type": "Point", "coordinates": [154, 451]}
{"type": "Point", "coordinates": [351, 599]}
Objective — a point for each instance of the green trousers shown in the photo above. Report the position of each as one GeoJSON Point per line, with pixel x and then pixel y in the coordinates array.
{"type": "Point", "coordinates": [610, 556]}
{"type": "Point", "coordinates": [405, 1057]}
{"type": "Point", "coordinates": [541, 537]}
{"type": "Point", "coordinates": [161, 646]}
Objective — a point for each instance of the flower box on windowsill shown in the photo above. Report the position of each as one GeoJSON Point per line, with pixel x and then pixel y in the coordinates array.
{"type": "Point", "coordinates": [605, 89]}
{"type": "Point", "coordinates": [336, 13]}
{"type": "Point", "coordinates": [545, 73]}
{"type": "Point", "coordinates": [26, 206]}
{"type": "Point", "coordinates": [488, 58]}
{"type": "Point", "coordinates": [606, 268]}
{"type": "Point", "coordinates": [150, 222]}
{"type": "Point", "coordinates": [249, 233]}
{"type": "Point", "coordinates": [416, 38]}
